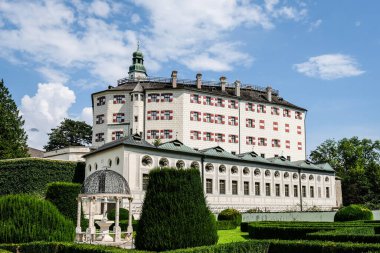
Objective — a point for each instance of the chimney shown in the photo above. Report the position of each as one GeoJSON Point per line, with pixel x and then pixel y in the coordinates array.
{"type": "Point", "coordinates": [223, 82]}
{"type": "Point", "coordinates": [199, 81]}
{"type": "Point", "coordinates": [237, 88]}
{"type": "Point", "coordinates": [269, 93]}
{"type": "Point", "coordinates": [174, 78]}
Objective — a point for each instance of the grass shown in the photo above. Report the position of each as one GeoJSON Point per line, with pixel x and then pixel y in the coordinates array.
{"type": "Point", "coordinates": [232, 235]}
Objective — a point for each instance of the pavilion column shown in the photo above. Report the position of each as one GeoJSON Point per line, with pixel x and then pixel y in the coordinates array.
{"type": "Point", "coordinates": [78, 229]}
{"type": "Point", "coordinates": [91, 227]}
{"type": "Point", "coordinates": [130, 227]}
{"type": "Point", "coordinates": [116, 228]}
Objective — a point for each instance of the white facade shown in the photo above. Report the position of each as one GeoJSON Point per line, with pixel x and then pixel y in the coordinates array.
{"type": "Point", "coordinates": [249, 182]}
{"type": "Point", "coordinates": [72, 153]}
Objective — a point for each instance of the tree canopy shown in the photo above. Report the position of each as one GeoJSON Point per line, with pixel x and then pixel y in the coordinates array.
{"type": "Point", "coordinates": [357, 163]}
{"type": "Point", "coordinates": [12, 134]}
{"type": "Point", "coordinates": [69, 133]}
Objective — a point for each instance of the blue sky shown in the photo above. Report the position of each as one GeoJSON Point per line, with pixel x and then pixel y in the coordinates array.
{"type": "Point", "coordinates": [321, 55]}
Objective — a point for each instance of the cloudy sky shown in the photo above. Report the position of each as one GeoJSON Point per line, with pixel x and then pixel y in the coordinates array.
{"type": "Point", "coordinates": [322, 55]}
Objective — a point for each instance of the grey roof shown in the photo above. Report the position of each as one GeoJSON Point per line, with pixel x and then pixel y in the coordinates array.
{"type": "Point", "coordinates": [218, 152]}
{"type": "Point", "coordinates": [33, 152]}
{"type": "Point", "coordinates": [247, 93]}
{"type": "Point", "coordinates": [178, 146]}
{"type": "Point", "coordinates": [253, 156]}
{"type": "Point", "coordinates": [306, 164]}
{"type": "Point", "coordinates": [138, 88]}
{"type": "Point", "coordinates": [281, 160]}
{"type": "Point", "coordinates": [105, 182]}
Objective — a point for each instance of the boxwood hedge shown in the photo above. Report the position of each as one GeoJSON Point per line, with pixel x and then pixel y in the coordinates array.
{"type": "Point", "coordinates": [353, 212]}
{"type": "Point", "coordinates": [31, 175]}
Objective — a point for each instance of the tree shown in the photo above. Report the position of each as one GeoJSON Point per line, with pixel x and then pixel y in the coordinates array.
{"type": "Point", "coordinates": [357, 163]}
{"type": "Point", "coordinates": [12, 134]}
{"type": "Point", "coordinates": [69, 133]}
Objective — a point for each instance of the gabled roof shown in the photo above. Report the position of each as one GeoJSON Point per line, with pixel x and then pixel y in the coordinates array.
{"type": "Point", "coordinates": [325, 166]}
{"type": "Point", "coordinates": [281, 160]}
{"type": "Point", "coordinates": [138, 88]}
{"type": "Point", "coordinates": [178, 146]}
{"type": "Point", "coordinates": [306, 164]}
{"type": "Point", "coordinates": [252, 156]}
{"type": "Point", "coordinates": [218, 152]}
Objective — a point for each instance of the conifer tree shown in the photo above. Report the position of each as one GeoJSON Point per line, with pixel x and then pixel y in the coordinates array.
{"type": "Point", "coordinates": [12, 134]}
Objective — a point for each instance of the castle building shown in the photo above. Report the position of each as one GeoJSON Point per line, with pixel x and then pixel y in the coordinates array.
{"type": "Point", "coordinates": [247, 141]}
{"type": "Point", "coordinates": [201, 114]}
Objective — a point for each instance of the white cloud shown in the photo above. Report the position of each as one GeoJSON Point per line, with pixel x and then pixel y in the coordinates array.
{"type": "Point", "coordinates": [45, 110]}
{"type": "Point", "coordinates": [329, 67]}
{"type": "Point", "coordinates": [52, 75]}
{"type": "Point", "coordinates": [314, 25]}
{"type": "Point", "coordinates": [86, 35]}
{"type": "Point", "coordinates": [86, 115]}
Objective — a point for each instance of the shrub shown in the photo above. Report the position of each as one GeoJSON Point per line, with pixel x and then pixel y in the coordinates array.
{"type": "Point", "coordinates": [25, 218]}
{"type": "Point", "coordinates": [230, 214]}
{"type": "Point", "coordinates": [174, 213]}
{"type": "Point", "coordinates": [31, 175]}
{"type": "Point", "coordinates": [244, 227]}
{"type": "Point", "coordinates": [353, 212]}
{"type": "Point", "coordinates": [64, 196]}
{"type": "Point", "coordinates": [225, 224]}
{"type": "Point", "coordinates": [123, 214]}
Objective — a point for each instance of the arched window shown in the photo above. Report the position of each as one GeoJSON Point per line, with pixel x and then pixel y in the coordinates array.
{"type": "Point", "coordinates": [89, 167]}
{"type": "Point", "coordinates": [267, 173]}
{"type": "Point", "coordinates": [234, 170]}
{"type": "Point", "coordinates": [286, 174]}
{"type": "Point", "coordinates": [303, 177]}
{"type": "Point", "coordinates": [327, 179]}
{"type": "Point", "coordinates": [117, 160]}
{"type": "Point", "coordinates": [164, 162]}
{"type": "Point", "coordinates": [295, 175]}
{"type": "Point", "coordinates": [209, 167]}
{"type": "Point", "coordinates": [146, 160]}
{"type": "Point", "coordinates": [222, 169]}
{"type": "Point", "coordinates": [257, 172]}
{"type": "Point", "coordinates": [276, 173]}
{"type": "Point", "coordinates": [180, 164]}
{"type": "Point", "coordinates": [96, 166]}
{"type": "Point", "coordinates": [194, 165]}
{"type": "Point", "coordinates": [246, 171]}
{"type": "Point", "coordinates": [311, 177]}
{"type": "Point", "coordinates": [109, 163]}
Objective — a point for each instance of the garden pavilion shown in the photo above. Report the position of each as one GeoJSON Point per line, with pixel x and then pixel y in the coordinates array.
{"type": "Point", "coordinates": [104, 186]}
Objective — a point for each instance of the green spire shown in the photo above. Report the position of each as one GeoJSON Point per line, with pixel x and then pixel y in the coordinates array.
{"type": "Point", "coordinates": [137, 63]}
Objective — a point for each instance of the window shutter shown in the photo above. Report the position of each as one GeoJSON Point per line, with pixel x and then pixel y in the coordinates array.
{"type": "Point", "coordinates": [287, 143]}
{"type": "Point", "coordinates": [191, 115]}
{"type": "Point", "coordinates": [149, 116]}
{"type": "Point", "coordinates": [114, 117]}
{"type": "Point", "coordinates": [212, 118]}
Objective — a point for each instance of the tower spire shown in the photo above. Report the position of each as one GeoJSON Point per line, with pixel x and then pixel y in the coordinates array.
{"type": "Point", "coordinates": [137, 69]}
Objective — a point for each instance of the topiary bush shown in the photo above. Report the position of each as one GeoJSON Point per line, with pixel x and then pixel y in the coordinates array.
{"type": "Point", "coordinates": [25, 218]}
{"type": "Point", "coordinates": [31, 175]}
{"type": "Point", "coordinates": [353, 212]}
{"type": "Point", "coordinates": [231, 215]}
{"type": "Point", "coordinates": [64, 196]}
{"type": "Point", "coordinates": [174, 213]}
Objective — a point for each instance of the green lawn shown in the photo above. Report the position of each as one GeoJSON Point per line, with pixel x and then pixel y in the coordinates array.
{"type": "Point", "coordinates": [232, 235]}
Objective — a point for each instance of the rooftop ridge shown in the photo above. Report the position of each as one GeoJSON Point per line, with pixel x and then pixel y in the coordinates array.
{"type": "Point", "coordinates": [190, 82]}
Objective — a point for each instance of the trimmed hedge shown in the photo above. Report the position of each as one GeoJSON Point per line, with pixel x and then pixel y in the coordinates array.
{"type": "Point", "coordinates": [235, 247]}
{"type": "Point", "coordinates": [24, 218]}
{"type": "Point", "coordinates": [231, 215]}
{"type": "Point", "coordinates": [344, 238]}
{"type": "Point", "coordinates": [225, 224]}
{"type": "Point", "coordinates": [31, 175]}
{"type": "Point", "coordinates": [175, 214]}
{"type": "Point", "coordinates": [353, 212]}
{"type": "Point", "coordinates": [63, 195]}
{"type": "Point", "coordinates": [244, 226]}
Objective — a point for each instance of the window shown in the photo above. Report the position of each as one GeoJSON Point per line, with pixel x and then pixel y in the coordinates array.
{"type": "Point", "coordinates": [276, 143]}
{"type": "Point", "coordinates": [298, 115]}
{"type": "Point", "coordinates": [219, 102]}
{"type": "Point", "coordinates": [311, 191]}
{"type": "Point", "coordinates": [246, 188]}
{"type": "Point", "coordinates": [219, 137]}
{"type": "Point", "coordinates": [118, 99]}
{"type": "Point", "coordinates": [233, 152]}
{"type": "Point", "coordinates": [146, 161]}
{"type": "Point", "coordinates": [209, 167]}
{"type": "Point", "coordinates": [275, 111]}
{"type": "Point", "coordinates": [249, 107]}
{"type": "Point", "coordinates": [100, 119]}
{"type": "Point", "coordinates": [286, 190]}
{"type": "Point", "coordinates": [196, 116]}
{"type": "Point", "coordinates": [118, 117]}
{"type": "Point", "coordinates": [197, 135]}
{"type": "Point", "coordinates": [233, 121]}
{"type": "Point", "coordinates": [327, 192]}
{"type": "Point", "coordinates": [136, 118]}
{"type": "Point", "coordinates": [166, 134]}
{"type": "Point", "coordinates": [319, 192]}
{"type": "Point", "coordinates": [262, 142]}
{"type": "Point", "coordinates": [286, 113]}
{"type": "Point", "coordinates": [167, 97]}
{"type": "Point", "coordinates": [267, 189]}
{"type": "Point", "coordinates": [194, 165]}
{"type": "Point", "coordinates": [261, 108]}
{"type": "Point", "coordinates": [219, 119]}
{"type": "Point", "coordinates": [222, 186]}
{"type": "Point", "coordinates": [153, 98]}
{"type": "Point", "coordinates": [145, 181]}
{"type": "Point", "coordinates": [163, 162]}
{"type": "Point", "coordinates": [288, 158]}
{"type": "Point", "coordinates": [234, 187]}
{"type": "Point", "coordinates": [262, 155]}
{"type": "Point", "coordinates": [234, 170]}
{"type": "Point", "coordinates": [250, 140]}
{"type": "Point", "coordinates": [208, 100]}
{"type": "Point", "coordinates": [208, 136]}
{"type": "Point", "coordinates": [304, 191]}
{"type": "Point", "coordinates": [233, 104]}
{"type": "Point", "coordinates": [195, 99]}
{"type": "Point", "coordinates": [222, 168]}
{"type": "Point", "coordinates": [209, 185]}
{"type": "Point", "coordinates": [246, 171]}
{"type": "Point", "coordinates": [233, 138]}
{"type": "Point", "coordinates": [99, 137]}
{"type": "Point", "coordinates": [277, 188]}
{"type": "Point", "coordinates": [154, 134]}
{"type": "Point", "coordinates": [117, 135]}
{"type": "Point", "coordinates": [276, 173]}
{"type": "Point", "coordinates": [180, 164]}
{"type": "Point", "coordinates": [166, 115]}
{"type": "Point", "coordinates": [208, 117]}
{"type": "Point", "coordinates": [257, 188]}
{"type": "Point", "coordinates": [101, 100]}
{"type": "Point", "coordinates": [295, 191]}
{"type": "Point", "coordinates": [250, 123]}
{"type": "Point", "coordinates": [154, 115]}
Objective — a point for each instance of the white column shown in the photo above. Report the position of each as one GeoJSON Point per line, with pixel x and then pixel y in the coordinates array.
{"type": "Point", "coordinates": [130, 228]}
{"type": "Point", "coordinates": [78, 229]}
{"type": "Point", "coordinates": [91, 227]}
{"type": "Point", "coordinates": [117, 228]}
